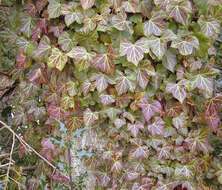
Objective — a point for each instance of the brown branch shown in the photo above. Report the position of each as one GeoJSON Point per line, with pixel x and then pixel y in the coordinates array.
{"type": "Point", "coordinates": [29, 147]}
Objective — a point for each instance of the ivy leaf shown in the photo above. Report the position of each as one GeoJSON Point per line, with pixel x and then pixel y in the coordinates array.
{"type": "Point", "coordinates": [44, 48]}
{"type": "Point", "coordinates": [57, 59]}
{"type": "Point", "coordinates": [101, 81]}
{"type": "Point", "coordinates": [90, 117]}
{"type": "Point", "coordinates": [139, 152]}
{"type": "Point", "coordinates": [71, 13]}
{"type": "Point", "coordinates": [149, 109]}
{"type": "Point", "coordinates": [120, 23]}
{"type": "Point", "coordinates": [178, 91]}
{"type": "Point", "coordinates": [65, 41]}
{"type": "Point", "coordinates": [157, 128]}
{"type": "Point", "coordinates": [186, 46]}
{"type": "Point", "coordinates": [132, 175]}
{"type": "Point", "coordinates": [104, 63]}
{"type": "Point", "coordinates": [164, 152]}
{"type": "Point", "coordinates": [203, 83]}
{"type": "Point", "coordinates": [86, 4]}
{"type": "Point", "coordinates": [27, 25]}
{"type": "Point", "coordinates": [134, 128]}
{"type": "Point", "coordinates": [123, 84]}
{"type": "Point", "coordinates": [179, 10]}
{"type": "Point", "coordinates": [119, 122]}
{"type": "Point", "coordinates": [155, 25]}
{"type": "Point", "coordinates": [54, 9]}
{"type": "Point", "coordinates": [107, 99]}
{"type": "Point", "coordinates": [112, 112]}
{"type": "Point", "coordinates": [209, 27]}
{"type": "Point", "coordinates": [134, 52]}
{"type": "Point", "coordinates": [56, 112]}
{"type": "Point", "coordinates": [169, 61]}
{"type": "Point", "coordinates": [40, 4]}
{"type": "Point", "coordinates": [129, 6]}
{"type": "Point", "coordinates": [31, 9]}
{"type": "Point", "coordinates": [183, 170]}
{"type": "Point", "coordinates": [71, 88]}
{"type": "Point", "coordinates": [180, 121]}
{"type": "Point", "coordinates": [142, 78]}
{"type": "Point", "coordinates": [117, 166]}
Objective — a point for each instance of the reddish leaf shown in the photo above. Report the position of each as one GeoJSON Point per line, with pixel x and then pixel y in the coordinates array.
{"type": "Point", "coordinates": [31, 9]}
{"type": "Point", "coordinates": [22, 60]}
{"type": "Point", "coordinates": [58, 177]}
{"type": "Point", "coordinates": [56, 112]}
{"type": "Point", "coordinates": [38, 76]}
{"type": "Point", "coordinates": [40, 4]}
{"type": "Point", "coordinates": [157, 128]}
{"type": "Point", "coordinates": [134, 128]}
{"type": "Point", "coordinates": [149, 109]}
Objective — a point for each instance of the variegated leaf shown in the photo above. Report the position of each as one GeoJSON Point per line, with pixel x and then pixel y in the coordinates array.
{"type": "Point", "coordinates": [209, 27]}
{"type": "Point", "coordinates": [54, 8]}
{"type": "Point", "coordinates": [90, 117]}
{"type": "Point", "coordinates": [142, 78]}
{"type": "Point", "coordinates": [157, 128]}
{"type": "Point", "coordinates": [65, 41]}
{"type": "Point", "coordinates": [86, 4]}
{"type": "Point", "coordinates": [120, 23]}
{"type": "Point", "coordinates": [134, 52]}
{"type": "Point", "coordinates": [135, 128]}
{"type": "Point", "coordinates": [179, 10]}
{"type": "Point", "coordinates": [155, 25]}
{"type": "Point", "coordinates": [178, 91]}
{"type": "Point", "coordinates": [104, 63]}
{"type": "Point", "coordinates": [57, 59]}
{"type": "Point", "coordinates": [44, 48]}
{"type": "Point", "coordinates": [186, 46]}
{"type": "Point", "coordinates": [107, 99]}
{"type": "Point", "coordinates": [27, 25]}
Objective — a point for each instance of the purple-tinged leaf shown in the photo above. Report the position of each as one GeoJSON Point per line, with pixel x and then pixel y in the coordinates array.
{"type": "Point", "coordinates": [44, 48]}
{"type": "Point", "coordinates": [166, 185]}
{"type": "Point", "coordinates": [135, 128]}
{"type": "Point", "coordinates": [184, 171]}
{"type": "Point", "coordinates": [90, 117]}
{"type": "Point", "coordinates": [202, 82]}
{"type": "Point", "coordinates": [142, 78]}
{"type": "Point", "coordinates": [157, 128]}
{"type": "Point", "coordinates": [155, 25]}
{"type": "Point", "coordinates": [36, 34]}
{"type": "Point", "coordinates": [164, 152]}
{"type": "Point", "coordinates": [71, 13]}
{"type": "Point", "coordinates": [123, 84]}
{"type": "Point", "coordinates": [209, 27]}
{"type": "Point", "coordinates": [117, 166]}
{"type": "Point", "coordinates": [54, 8]}
{"type": "Point", "coordinates": [158, 46]}
{"type": "Point", "coordinates": [38, 76]}
{"type": "Point", "coordinates": [119, 122]}
{"type": "Point", "coordinates": [22, 60]}
{"type": "Point", "coordinates": [65, 41]}
{"type": "Point", "coordinates": [57, 59]}
{"type": "Point", "coordinates": [134, 52]}
{"type": "Point", "coordinates": [40, 4]}
{"type": "Point", "coordinates": [26, 26]}
{"type": "Point", "coordinates": [31, 9]}
{"type": "Point", "coordinates": [139, 152]}
{"type": "Point", "coordinates": [56, 112]}
{"type": "Point", "coordinates": [86, 4]}
{"type": "Point", "coordinates": [129, 6]}
{"type": "Point", "coordinates": [46, 143]}
{"type": "Point", "coordinates": [57, 30]}
{"type": "Point", "coordinates": [169, 61]}
{"type": "Point", "coordinates": [132, 175]}
{"type": "Point", "coordinates": [161, 3]}
{"type": "Point", "coordinates": [103, 179]}
{"type": "Point", "coordinates": [104, 63]}
{"type": "Point", "coordinates": [178, 91]}
{"type": "Point", "coordinates": [146, 184]}
{"type": "Point", "coordinates": [86, 86]}
{"type": "Point", "coordinates": [107, 99]}
{"type": "Point", "coordinates": [186, 46]}
{"type": "Point", "coordinates": [101, 81]}
{"type": "Point", "coordinates": [120, 23]}
{"type": "Point", "coordinates": [179, 10]}
{"type": "Point", "coordinates": [149, 109]}
{"type": "Point", "coordinates": [180, 121]}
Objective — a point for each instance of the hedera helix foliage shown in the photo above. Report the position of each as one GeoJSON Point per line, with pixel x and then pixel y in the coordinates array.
{"type": "Point", "coordinates": [141, 73]}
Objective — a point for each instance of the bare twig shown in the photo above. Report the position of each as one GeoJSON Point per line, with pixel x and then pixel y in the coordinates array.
{"type": "Point", "coordinates": [29, 147]}
{"type": "Point", "coordinates": [10, 162]}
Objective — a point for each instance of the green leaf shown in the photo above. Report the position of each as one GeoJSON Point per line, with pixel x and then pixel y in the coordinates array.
{"type": "Point", "coordinates": [27, 25]}
{"type": "Point", "coordinates": [57, 59]}
{"type": "Point", "coordinates": [178, 91]}
{"type": "Point", "coordinates": [90, 117]}
{"type": "Point", "coordinates": [65, 41]}
{"type": "Point", "coordinates": [86, 4]}
{"type": "Point", "coordinates": [54, 9]}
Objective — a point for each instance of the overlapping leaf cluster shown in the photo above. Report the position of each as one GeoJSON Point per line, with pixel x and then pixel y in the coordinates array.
{"type": "Point", "coordinates": [139, 72]}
